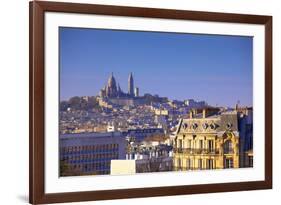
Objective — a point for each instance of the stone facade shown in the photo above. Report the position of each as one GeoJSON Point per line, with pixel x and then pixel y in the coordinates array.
{"type": "Point", "coordinates": [207, 140]}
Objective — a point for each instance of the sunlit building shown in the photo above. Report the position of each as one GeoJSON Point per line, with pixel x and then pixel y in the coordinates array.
{"type": "Point", "coordinates": [210, 139]}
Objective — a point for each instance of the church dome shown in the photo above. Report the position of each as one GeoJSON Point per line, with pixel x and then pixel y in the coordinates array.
{"type": "Point", "coordinates": [111, 81]}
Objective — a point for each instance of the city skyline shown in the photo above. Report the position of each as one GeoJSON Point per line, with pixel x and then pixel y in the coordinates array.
{"type": "Point", "coordinates": [217, 69]}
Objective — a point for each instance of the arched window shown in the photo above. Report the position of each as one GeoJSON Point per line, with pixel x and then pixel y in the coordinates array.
{"type": "Point", "coordinates": [227, 147]}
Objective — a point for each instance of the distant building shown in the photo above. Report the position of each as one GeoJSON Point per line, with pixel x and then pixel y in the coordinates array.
{"type": "Point", "coordinates": [195, 104]}
{"type": "Point", "coordinates": [142, 165]}
{"type": "Point", "coordinates": [104, 103]}
{"type": "Point", "coordinates": [112, 90]}
{"type": "Point", "coordinates": [151, 157]}
{"type": "Point", "coordinates": [113, 94]}
{"type": "Point", "coordinates": [150, 154]}
{"type": "Point", "coordinates": [131, 85]}
{"type": "Point", "coordinates": [90, 153]}
{"type": "Point", "coordinates": [161, 111]}
{"type": "Point", "coordinates": [127, 101]}
{"type": "Point", "coordinates": [137, 92]}
{"type": "Point", "coordinates": [154, 164]}
{"type": "Point", "coordinates": [140, 134]}
{"type": "Point", "coordinates": [112, 127]}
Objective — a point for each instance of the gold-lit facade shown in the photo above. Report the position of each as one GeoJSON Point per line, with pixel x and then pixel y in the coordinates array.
{"type": "Point", "coordinates": [208, 139]}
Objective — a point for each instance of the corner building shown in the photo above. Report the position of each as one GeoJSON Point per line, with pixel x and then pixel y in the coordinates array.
{"type": "Point", "coordinates": [208, 139]}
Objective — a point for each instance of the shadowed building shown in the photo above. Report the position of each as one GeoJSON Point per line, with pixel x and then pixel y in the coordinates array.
{"type": "Point", "coordinates": [131, 85]}
{"type": "Point", "coordinates": [246, 136]}
{"type": "Point", "coordinates": [90, 153]}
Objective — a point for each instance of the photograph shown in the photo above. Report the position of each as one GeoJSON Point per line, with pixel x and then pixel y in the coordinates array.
{"type": "Point", "coordinates": [135, 102]}
{"type": "Point", "coordinates": [141, 101]}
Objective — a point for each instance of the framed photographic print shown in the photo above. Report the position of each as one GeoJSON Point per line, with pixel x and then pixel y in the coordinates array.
{"type": "Point", "coordinates": [139, 102]}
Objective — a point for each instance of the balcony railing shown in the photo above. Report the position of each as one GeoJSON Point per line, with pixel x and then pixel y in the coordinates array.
{"type": "Point", "coordinates": [179, 168]}
{"type": "Point", "coordinates": [196, 151]}
{"type": "Point", "coordinates": [228, 151]}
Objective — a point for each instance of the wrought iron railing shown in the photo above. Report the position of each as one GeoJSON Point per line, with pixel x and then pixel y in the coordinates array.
{"type": "Point", "coordinates": [180, 168]}
{"type": "Point", "coordinates": [228, 151]}
{"type": "Point", "coordinates": [196, 151]}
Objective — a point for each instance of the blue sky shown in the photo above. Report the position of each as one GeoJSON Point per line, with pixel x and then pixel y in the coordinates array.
{"type": "Point", "coordinates": [214, 68]}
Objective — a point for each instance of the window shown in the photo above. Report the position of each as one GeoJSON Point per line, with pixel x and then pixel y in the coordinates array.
{"type": "Point", "coordinates": [180, 144]}
{"type": "Point", "coordinates": [227, 147]}
{"type": "Point", "coordinates": [200, 144]}
{"type": "Point", "coordinates": [194, 125]}
{"type": "Point", "coordinates": [210, 145]}
{"type": "Point", "coordinates": [228, 125]}
{"type": "Point", "coordinates": [188, 164]}
{"type": "Point", "coordinates": [200, 164]}
{"type": "Point", "coordinates": [179, 164]}
{"type": "Point", "coordinates": [210, 164]}
{"type": "Point", "coordinates": [228, 163]}
{"type": "Point", "coordinates": [189, 143]}
{"type": "Point", "coordinates": [251, 161]}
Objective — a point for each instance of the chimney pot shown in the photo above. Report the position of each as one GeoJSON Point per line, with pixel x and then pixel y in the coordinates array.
{"type": "Point", "coordinates": [190, 114]}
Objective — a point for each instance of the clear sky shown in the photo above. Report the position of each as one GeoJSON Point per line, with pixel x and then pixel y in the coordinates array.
{"type": "Point", "coordinates": [214, 68]}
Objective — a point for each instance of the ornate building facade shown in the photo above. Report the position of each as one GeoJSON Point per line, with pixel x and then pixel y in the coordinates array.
{"type": "Point", "coordinates": [113, 90]}
{"type": "Point", "coordinates": [210, 139]}
{"type": "Point", "coordinates": [112, 94]}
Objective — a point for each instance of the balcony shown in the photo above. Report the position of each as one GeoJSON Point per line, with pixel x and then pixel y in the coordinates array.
{"type": "Point", "coordinates": [228, 151]}
{"type": "Point", "coordinates": [179, 168]}
{"type": "Point", "coordinates": [195, 151]}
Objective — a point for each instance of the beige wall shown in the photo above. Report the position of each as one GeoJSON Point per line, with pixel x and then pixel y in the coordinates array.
{"type": "Point", "coordinates": [120, 167]}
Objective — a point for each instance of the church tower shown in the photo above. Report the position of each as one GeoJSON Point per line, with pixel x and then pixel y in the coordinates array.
{"type": "Point", "coordinates": [111, 89]}
{"type": "Point", "coordinates": [131, 85]}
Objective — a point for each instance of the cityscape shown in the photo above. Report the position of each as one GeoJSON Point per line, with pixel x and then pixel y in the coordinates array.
{"type": "Point", "coordinates": [119, 132]}
{"type": "Point", "coordinates": [127, 127]}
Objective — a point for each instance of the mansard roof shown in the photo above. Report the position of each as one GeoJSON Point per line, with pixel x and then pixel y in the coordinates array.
{"type": "Point", "coordinates": [220, 122]}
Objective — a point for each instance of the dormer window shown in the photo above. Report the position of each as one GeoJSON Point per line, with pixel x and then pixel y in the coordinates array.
{"type": "Point", "coordinates": [228, 125]}
{"type": "Point", "coordinates": [205, 126]}
{"type": "Point", "coordinates": [185, 126]}
{"type": "Point", "coordinates": [194, 125]}
{"type": "Point", "coordinates": [213, 126]}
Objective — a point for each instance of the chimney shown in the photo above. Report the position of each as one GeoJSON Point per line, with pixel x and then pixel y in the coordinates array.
{"type": "Point", "coordinates": [190, 114]}
{"type": "Point", "coordinates": [236, 106]}
{"type": "Point", "coordinates": [204, 113]}
{"type": "Point", "coordinates": [194, 112]}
